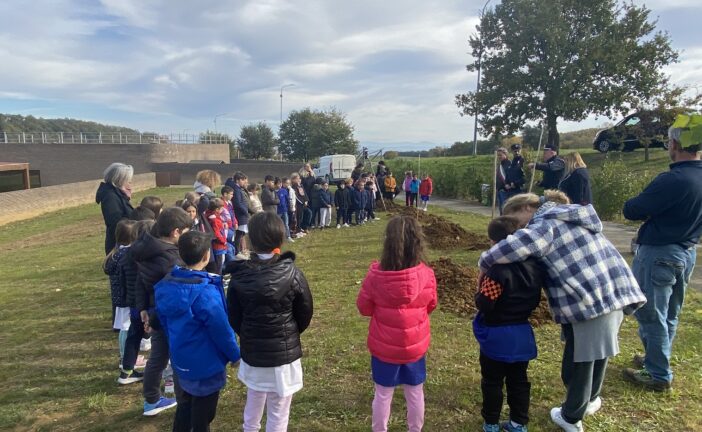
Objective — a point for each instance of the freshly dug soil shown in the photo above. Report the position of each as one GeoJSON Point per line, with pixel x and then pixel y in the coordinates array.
{"type": "Point", "coordinates": [457, 285]}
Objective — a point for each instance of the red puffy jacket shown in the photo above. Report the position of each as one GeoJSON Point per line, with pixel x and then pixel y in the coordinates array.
{"type": "Point", "coordinates": [399, 304]}
{"type": "Point", "coordinates": [426, 187]}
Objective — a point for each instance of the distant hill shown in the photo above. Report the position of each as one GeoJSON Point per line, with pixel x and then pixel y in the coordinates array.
{"type": "Point", "coordinates": [17, 123]}
{"type": "Point", "coordinates": [578, 139]}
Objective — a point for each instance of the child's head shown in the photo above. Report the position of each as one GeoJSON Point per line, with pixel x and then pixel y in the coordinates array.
{"type": "Point", "coordinates": [277, 182]}
{"type": "Point", "coordinates": [285, 182]}
{"type": "Point", "coordinates": [266, 232]}
{"type": "Point", "coordinates": [426, 176]}
{"type": "Point", "coordinates": [404, 244]}
{"type": "Point", "coordinates": [325, 185]}
{"type": "Point", "coordinates": [141, 227]}
{"type": "Point", "coordinates": [227, 193]}
{"type": "Point", "coordinates": [142, 213]}
{"type": "Point", "coordinates": [192, 197]}
{"type": "Point", "coordinates": [269, 181]}
{"type": "Point", "coordinates": [253, 188]}
{"type": "Point", "coordinates": [240, 178]}
{"type": "Point", "coordinates": [414, 176]}
{"type": "Point", "coordinates": [502, 226]}
{"type": "Point", "coordinates": [341, 184]}
{"type": "Point", "coordinates": [124, 233]}
{"type": "Point", "coordinates": [194, 249]}
{"type": "Point", "coordinates": [152, 203]}
{"type": "Point", "coordinates": [349, 182]}
{"type": "Point", "coordinates": [369, 185]}
{"type": "Point", "coordinates": [190, 209]}
{"type": "Point", "coordinates": [171, 224]}
{"type": "Point", "coordinates": [216, 205]}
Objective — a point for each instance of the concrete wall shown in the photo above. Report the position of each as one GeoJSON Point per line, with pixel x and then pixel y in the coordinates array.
{"type": "Point", "coordinates": [255, 170]}
{"type": "Point", "coordinates": [20, 205]}
{"type": "Point", "coordinates": [70, 163]}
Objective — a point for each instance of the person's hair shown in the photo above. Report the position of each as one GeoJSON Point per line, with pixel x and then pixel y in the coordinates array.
{"type": "Point", "coordinates": [294, 176]}
{"type": "Point", "coordinates": [193, 197]}
{"type": "Point", "coordinates": [118, 174]}
{"type": "Point", "coordinates": [142, 226]}
{"type": "Point", "coordinates": [124, 236]}
{"type": "Point", "coordinates": [268, 178]}
{"type": "Point", "coordinates": [359, 165]}
{"type": "Point", "coordinates": [215, 203]}
{"type": "Point", "coordinates": [381, 163]}
{"type": "Point", "coordinates": [239, 176]}
{"type": "Point", "coordinates": [226, 190]}
{"type": "Point", "coordinates": [349, 181]}
{"type": "Point", "coordinates": [276, 181]}
{"type": "Point", "coordinates": [142, 213]}
{"type": "Point", "coordinates": [404, 244]}
{"type": "Point", "coordinates": [340, 183]}
{"type": "Point", "coordinates": [369, 184]}
{"type": "Point", "coordinates": [502, 150]}
{"type": "Point", "coordinates": [674, 135]}
{"type": "Point", "coordinates": [573, 161]}
{"type": "Point", "coordinates": [208, 178]}
{"type": "Point", "coordinates": [266, 232]}
{"type": "Point", "coordinates": [193, 246]}
{"type": "Point", "coordinates": [533, 201]}
{"type": "Point", "coordinates": [556, 196]}
{"type": "Point", "coordinates": [171, 219]}
{"type": "Point", "coordinates": [283, 180]}
{"type": "Point", "coordinates": [502, 226]}
{"type": "Point", "coordinates": [253, 187]}
{"type": "Point", "coordinates": [185, 205]}
{"type": "Point", "coordinates": [152, 203]}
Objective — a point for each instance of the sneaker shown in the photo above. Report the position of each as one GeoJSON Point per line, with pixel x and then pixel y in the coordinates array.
{"type": "Point", "coordinates": [145, 345]}
{"type": "Point", "coordinates": [376, 218]}
{"type": "Point", "coordinates": [338, 226]}
{"type": "Point", "coordinates": [140, 362]}
{"type": "Point", "coordinates": [169, 386]}
{"type": "Point", "coordinates": [508, 426]}
{"type": "Point", "coordinates": [593, 406]}
{"type": "Point", "coordinates": [487, 427]}
{"type": "Point", "coordinates": [424, 209]}
{"type": "Point", "coordinates": [643, 378]}
{"type": "Point", "coordinates": [290, 240]}
{"type": "Point", "coordinates": [299, 235]}
{"type": "Point", "coordinates": [129, 377]}
{"type": "Point", "coordinates": [638, 361]}
{"type": "Point", "coordinates": [151, 409]}
{"type": "Point", "coordinates": [346, 225]}
{"type": "Point", "coordinates": [558, 419]}
{"type": "Point", "coordinates": [242, 256]}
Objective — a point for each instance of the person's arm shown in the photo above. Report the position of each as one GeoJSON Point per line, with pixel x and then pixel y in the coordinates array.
{"type": "Point", "coordinates": [490, 290]}
{"type": "Point", "coordinates": [364, 301]}
{"type": "Point", "coordinates": [111, 212]}
{"type": "Point", "coordinates": [658, 197]}
{"type": "Point", "coordinates": [217, 229]}
{"type": "Point", "coordinates": [239, 202]}
{"type": "Point", "coordinates": [303, 305]}
{"type": "Point", "coordinates": [234, 309]}
{"type": "Point", "coordinates": [210, 312]}
{"type": "Point", "coordinates": [434, 297]}
{"type": "Point", "coordinates": [524, 243]}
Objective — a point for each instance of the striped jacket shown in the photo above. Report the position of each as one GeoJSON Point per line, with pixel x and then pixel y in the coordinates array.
{"type": "Point", "coordinates": [586, 275]}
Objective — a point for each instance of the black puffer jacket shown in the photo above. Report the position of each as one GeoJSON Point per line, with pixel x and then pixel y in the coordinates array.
{"type": "Point", "coordinates": [269, 304]}
{"type": "Point", "coordinates": [115, 206]}
{"type": "Point", "coordinates": [129, 276]}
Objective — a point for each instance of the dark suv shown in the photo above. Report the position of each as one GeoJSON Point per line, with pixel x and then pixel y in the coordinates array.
{"type": "Point", "coordinates": [631, 130]}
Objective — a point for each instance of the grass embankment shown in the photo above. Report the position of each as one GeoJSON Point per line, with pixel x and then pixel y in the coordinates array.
{"type": "Point", "coordinates": [59, 358]}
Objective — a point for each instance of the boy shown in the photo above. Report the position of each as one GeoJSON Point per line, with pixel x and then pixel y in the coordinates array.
{"type": "Point", "coordinates": [507, 295]}
{"type": "Point", "coordinates": [350, 197]}
{"type": "Point", "coordinates": [191, 307]}
{"type": "Point", "coordinates": [425, 190]}
{"type": "Point", "coordinates": [269, 199]}
{"type": "Point", "coordinates": [414, 191]}
{"type": "Point", "coordinates": [152, 203]}
{"type": "Point", "coordinates": [230, 221]}
{"type": "Point", "coordinates": [370, 202]}
{"type": "Point", "coordinates": [341, 199]}
{"type": "Point", "coordinates": [240, 204]}
{"type": "Point", "coordinates": [359, 202]}
{"type": "Point", "coordinates": [155, 254]}
{"type": "Point", "coordinates": [282, 190]}
{"type": "Point", "coordinates": [325, 205]}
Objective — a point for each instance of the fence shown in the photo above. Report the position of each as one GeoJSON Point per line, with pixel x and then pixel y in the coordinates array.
{"type": "Point", "coordinates": [109, 138]}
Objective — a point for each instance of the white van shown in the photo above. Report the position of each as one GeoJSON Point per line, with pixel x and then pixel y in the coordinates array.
{"type": "Point", "coordinates": [335, 167]}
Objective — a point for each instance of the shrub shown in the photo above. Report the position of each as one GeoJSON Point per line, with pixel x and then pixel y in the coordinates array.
{"type": "Point", "coordinates": [613, 185]}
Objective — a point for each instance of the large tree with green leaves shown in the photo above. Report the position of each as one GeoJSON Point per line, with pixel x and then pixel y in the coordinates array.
{"type": "Point", "coordinates": [309, 134]}
{"type": "Point", "coordinates": [544, 60]}
{"type": "Point", "coordinates": [256, 141]}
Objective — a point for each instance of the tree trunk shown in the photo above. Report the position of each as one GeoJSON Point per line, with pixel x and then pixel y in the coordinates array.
{"type": "Point", "coordinates": [552, 126]}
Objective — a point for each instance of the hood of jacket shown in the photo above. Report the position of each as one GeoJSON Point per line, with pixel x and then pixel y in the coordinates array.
{"type": "Point", "coordinates": [105, 189]}
{"type": "Point", "coordinates": [584, 216]}
{"type": "Point", "coordinates": [268, 280]}
{"type": "Point", "coordinates": [400, 287]}
{"type": "Point", "coordinates": [179, 289]}
{"type": "Point", "coordinates": [201, 188]}
{"type": "Point", "coordinates": [146, 247]}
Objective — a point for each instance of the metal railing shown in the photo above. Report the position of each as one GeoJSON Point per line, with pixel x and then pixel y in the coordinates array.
{"type": "Point", "coordinates": [108, 138]}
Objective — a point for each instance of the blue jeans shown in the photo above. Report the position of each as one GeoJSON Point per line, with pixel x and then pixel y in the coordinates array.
{"type": "Point", "coordinates": [286, 222]}
{"type": "Point", "coordinates": [663, 272]}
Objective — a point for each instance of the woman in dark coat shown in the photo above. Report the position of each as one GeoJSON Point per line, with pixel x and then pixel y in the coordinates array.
{"type": "Point", "coordinates": [576, 181]}
{"type": "Point", "coordinates": [113, 195]}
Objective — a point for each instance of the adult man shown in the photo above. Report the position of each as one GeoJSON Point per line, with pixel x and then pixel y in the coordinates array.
{"type": "Point", "coordinates": [552, 166]}
{"type": "Point", "coordinates": [503, 164]}
{"type": "Point", "coordinates": [515, 174]}
{"type": "Point", "coordinates": [671, 205]}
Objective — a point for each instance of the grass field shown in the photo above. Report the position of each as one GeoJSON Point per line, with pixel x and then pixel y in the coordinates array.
{"type": "Point", "coordinates": [59, 357]}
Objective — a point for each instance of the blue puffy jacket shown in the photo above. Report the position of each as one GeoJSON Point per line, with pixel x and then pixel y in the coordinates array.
{"type": "Point", "coordinates": [193, 311]}
{"type": "Point", "coordinates": [284, 197]}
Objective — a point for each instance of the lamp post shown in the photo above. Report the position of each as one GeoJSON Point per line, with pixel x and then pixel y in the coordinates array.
{"type": "Point", "coordinates": [215, 119]}
{"type": "Point", "coordinates": [281, 100]}
{"type": "Point", "coordinates": [477, 87]}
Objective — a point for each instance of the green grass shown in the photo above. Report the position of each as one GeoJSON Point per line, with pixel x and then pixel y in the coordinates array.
{"type": "Point", "coordinates": [59, 357]}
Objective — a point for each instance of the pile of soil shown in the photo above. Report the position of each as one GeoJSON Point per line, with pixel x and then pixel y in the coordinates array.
{"type": "Point", "coordinates": [456, 287]}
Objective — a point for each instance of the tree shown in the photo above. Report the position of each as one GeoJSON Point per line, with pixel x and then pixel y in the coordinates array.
{"type": "Point", "coordinates": [548, 59]}
{"type": "Point", "coordinates": [531, 136]}
{"type": "Point", "coordinates": [256, 141]}
{"type": "Point", "coordinates": [391, 154]}
{"type": "Point", "coordinates": [309, 134]}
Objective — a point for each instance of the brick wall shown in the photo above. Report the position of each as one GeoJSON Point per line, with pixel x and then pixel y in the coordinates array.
{"type": "Point", "coordinates": [255, 170]}
{"type": "Point", "coordinates": [20, 205]}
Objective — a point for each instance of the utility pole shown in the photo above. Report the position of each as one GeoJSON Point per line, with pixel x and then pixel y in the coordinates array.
{"type": "Point", "coordinates": [477, 87]}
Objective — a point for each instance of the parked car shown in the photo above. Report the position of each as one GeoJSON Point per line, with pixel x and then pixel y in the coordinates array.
{"type": "Point", "coordinates": [335, 167]}
{"type": "Point", "coordinates": [628, 133]}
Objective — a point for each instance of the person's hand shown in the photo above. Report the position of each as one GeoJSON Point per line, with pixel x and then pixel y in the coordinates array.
{"type": "Point", "coordinates": [145, 319]}
{"type": "Point", "coordinates": [532, 165]}
{"type": "Point", "coordinates": [508, 187]}
{"type": "Point", "coordinates": [236, 227]}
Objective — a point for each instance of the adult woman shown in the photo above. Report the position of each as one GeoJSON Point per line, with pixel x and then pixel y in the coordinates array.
{"type": "Point", "coordinates": [589, 286]}
{"type": "Point", "coordinates": [113, 195]}
{"type": "Point", "coordinates": [205, 183]}
{"type": "Point", "coordinates": [576, 180]}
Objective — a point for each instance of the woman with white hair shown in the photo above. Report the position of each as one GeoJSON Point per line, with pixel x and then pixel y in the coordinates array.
{"type": "Point", "coordinates": [113, 195]}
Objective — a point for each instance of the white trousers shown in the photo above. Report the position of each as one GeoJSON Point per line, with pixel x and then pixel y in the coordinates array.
{"type": "Point", "coordinates": [277, 411]}
{"type": "Point", "coordinates": [325, 216]}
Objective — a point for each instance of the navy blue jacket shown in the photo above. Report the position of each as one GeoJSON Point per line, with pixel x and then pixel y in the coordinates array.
{"type": "Point", "coordinates": [193, 311]}
{"type": "Point", "coordinates": [370, 199]}
{"type": "Point", "coordinates": [325, 198]}
{"type": "Point", "coordinates": [553, 172]}
{"type": "Point", "coordinates": [240, 204]}
{"type": "Point", "coordinates": [577, 187]}
{"type": "Point", "coordinates": [118, 285]}
{"type": "Point", "coordinates": [115, 206]}
{"type": "Point", "coordinates": [315, 201]}
{"type": "Point", "coordinates": [342, 198]}
{"type": "Point", "coordinates": [358, 197]}
{"type": "Point", "coordinates": [671, 205]}
{"type": "Point", "coordinates": [515, 173]}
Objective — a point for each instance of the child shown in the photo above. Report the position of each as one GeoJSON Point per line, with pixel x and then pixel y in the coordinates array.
{"type": "Point", "coordinates": [370, 202]}
{"type": "Point", "coordinates": [152, 203]}
{"type": "Point", "coordinates": [359, 202]}
{"type": "Point", "coordinates": [390, 186]}
{"type": "Point", "coordinates": [254, 190]}
{"type": "Point", "coordinates": [341, 199]}
{"type": "Point", "coordinates": [230, 222]}
{"type": "Point", "coordinates": [269, 198]}
{"type": "Point", "coordinates": [219, 231]}
{"type": "Point", "coordinates": [425, 190]}
{"type": "Point", "coordinates": [142, 213]}
{"type": "Point", "coordinates": [283, 203]}
{"type": "Point", "coordinates": [326, 202]}
{"type": "Point", "coordinates": [414, 191]}
{"type": "Point", "coordinates": [508, 294]}
{"type": "Point", "coordinates": [270, 305]}
{"type": "Point", "coordinates": [407, 186]}
{"type": "Point", "coordinates": [398, 294]}
{"type": "Point", "coordinates": [315, 205]}
{"type": "Point", "coordinates": [191, 210]}
{"type": "Point", "coordinates": [191, 306]}
{"type": "Point", "coordinates": [124, 236]}
{"type": "Point", "coordinates": [350, 194]}
{"type": "Point", "coordinates": [240, 206]}
{"type": "Point", "coordinates": [155, 254]}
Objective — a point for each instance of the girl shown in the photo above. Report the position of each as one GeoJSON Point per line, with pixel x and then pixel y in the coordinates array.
{"type": "Point", "coordinates": [576, 180]}
{"type": "Point", "coordinates": [269, 305]}
{"type": "Point", "coordinates": [124, 236]}
{"type": "Point", "coordinates": [219, 232]}
{"type": "Point", "coordinates": [254, 190]}
{"type": "Point", "coordinates": [398, 294]}
{"type": "Point", "coordinates": [191, 209]}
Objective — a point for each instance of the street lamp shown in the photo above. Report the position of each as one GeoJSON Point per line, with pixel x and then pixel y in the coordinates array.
{"type": "Point", "coordinates": [477, 87]}
{"type": "Point", "coordinates": [281, 100]}
{"type": "Point", "coordinates": [215, 119]}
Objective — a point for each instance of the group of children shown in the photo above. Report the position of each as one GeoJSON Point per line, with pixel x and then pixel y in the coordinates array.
{"type": "Point", "coordinates": [416, 189]}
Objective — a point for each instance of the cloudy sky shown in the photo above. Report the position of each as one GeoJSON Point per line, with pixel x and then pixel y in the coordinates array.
{"type": "Point", "coordinates": [173, 65]}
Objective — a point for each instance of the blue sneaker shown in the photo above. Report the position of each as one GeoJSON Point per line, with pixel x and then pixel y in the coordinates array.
{"type": "Point", "coordinates": [151, 409]}
{"type": "Point", "coordinates": [487, 427]}
{"type": "Point", "coordinates": [508, 426]}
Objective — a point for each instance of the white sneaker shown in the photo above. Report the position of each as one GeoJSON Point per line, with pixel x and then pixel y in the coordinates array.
{"type": "Point", "coordinates": [338, 226]}
{"type": "Point", "coordinates": [145, 345]}
{"type": "Point", "coordinates": [593, 406]}
{"type": "Point", "coordinates": [346, 225]}
{"type": "Point", "coordinates": [424, 209]}
{"type": "Point", "coordinates": [298, 235]}
{"type": "Point", "coordinates": [560, 421]}
{"type": "Point", "coordinates": [290, 240]}
{"type": "Point", "coordinates": [376, 218]}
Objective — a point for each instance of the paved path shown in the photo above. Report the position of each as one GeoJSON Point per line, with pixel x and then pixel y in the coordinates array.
{"type": "Point", "coordinates": [619, 234]}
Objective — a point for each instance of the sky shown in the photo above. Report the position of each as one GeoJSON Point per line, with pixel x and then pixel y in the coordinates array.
{"type": "Point", "coordinates": [173, 66]}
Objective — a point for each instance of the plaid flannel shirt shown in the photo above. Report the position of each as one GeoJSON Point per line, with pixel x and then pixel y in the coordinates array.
{"type": "Point", "coordinates": [586, 275]}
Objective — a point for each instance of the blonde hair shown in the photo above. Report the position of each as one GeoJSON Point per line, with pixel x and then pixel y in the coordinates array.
{"type": "Point", "coordinates": [209, 178]}
{"type": "Point", "coordinates": [533, 201]}
{"type": "Point", "coordinates": [573, 161]}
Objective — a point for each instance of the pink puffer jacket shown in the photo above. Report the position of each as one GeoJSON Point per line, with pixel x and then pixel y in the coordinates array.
{"type": "Point", "coordinates": [399, 304]}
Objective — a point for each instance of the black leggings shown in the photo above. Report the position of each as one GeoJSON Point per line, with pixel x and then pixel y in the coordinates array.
{"type": "Point", "coordinates": [131, 346]}
{"type": "Point", "coordinates": [494, 373]}
{"type": "Point", "coordinates": [195, 413]}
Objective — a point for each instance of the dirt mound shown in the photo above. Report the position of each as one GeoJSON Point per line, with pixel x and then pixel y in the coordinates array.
{"type": "Point", "coordinates": [443, 234]}
{"type": "Point", "coordinates": [457, 285]}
